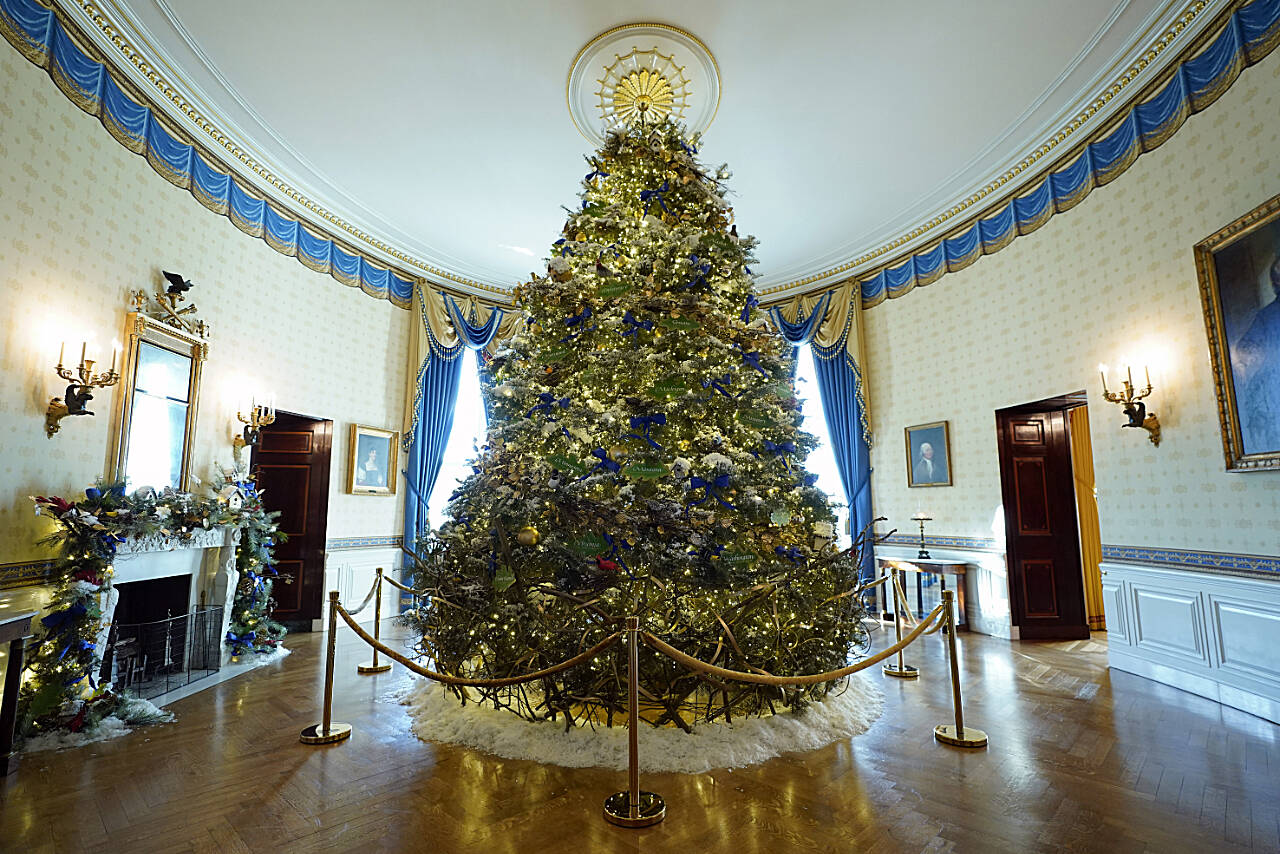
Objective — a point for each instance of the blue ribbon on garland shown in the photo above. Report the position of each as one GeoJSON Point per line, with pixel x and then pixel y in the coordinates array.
{"type": "Point", "coordinates": [84, 646]}
{"type": "Point", "coordinates": [613, 553]}
{"type": "Point", "coordinates": [809, 479]}
{"type": "Point", "coordinates": [595, 173]}
{"type": "Point", "coordinates": [635, 325]}
{"type": "Point", "coordinates": [712, 490]}
{"type": "Point", "coordinates": [58, 621]}
{"type": "Point", "coordinates": [702, 268]}
{"type": "Point", "coordinates": [238, 641]}
{"type": "Point", "coordinates": [548, 400]}
{"type": "Point", "coordinates": [580, 317]}
{"type": "Point", "coordinates": [659, 195]}
{"type": "Point", "coordinates": [753, 359]}
{"type": "Point", "coordinates": [718, 384]}
{"type": "Point", "coordinates": [690, 150]}
{"type": "Point", "coordinates": [563, 246]}
{"type": "Point", "coordinates": [605, 463]}
{"type": "Point", "coordinates": [783, 450]}
{"type": "Point", "coordinates": [647, 423]}
{"type": "Point", "coordinates": [752, 302]}
{"type": "Point", "coordinates": [791, 553]}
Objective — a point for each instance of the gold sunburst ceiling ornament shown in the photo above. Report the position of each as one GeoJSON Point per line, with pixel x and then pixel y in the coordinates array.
{"type": "Point", "coordinates": [642, 73]}
{"type": "Point", "coordinates": [644, 86]}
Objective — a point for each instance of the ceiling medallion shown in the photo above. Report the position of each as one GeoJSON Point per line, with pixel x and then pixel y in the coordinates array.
{"type": "Point", "coordinates": [642, 73]}
{"type": "Point", "coordinates": [643, 87]}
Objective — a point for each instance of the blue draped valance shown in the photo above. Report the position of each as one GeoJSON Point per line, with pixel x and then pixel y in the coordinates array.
{"type": "Point", "coordinates": [38, 34]}
{"type": "Point", "coordinates": [1248, 34]}
{"type": "Point", "coordinates": [444, 332]}
{"type": "Point", "coordinates": [827, 324]}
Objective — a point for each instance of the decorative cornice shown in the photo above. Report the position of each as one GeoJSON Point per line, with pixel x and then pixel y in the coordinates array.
{"type": "Point", "coordinates": [339, 544]}
{"type": "Point", "coordinates": [1222, 562]}
{"type": "Point", "coordinates": [31, 573]}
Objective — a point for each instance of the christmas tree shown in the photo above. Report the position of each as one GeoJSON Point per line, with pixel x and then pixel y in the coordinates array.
{"type": "Point", "coordinates": [644, 457]}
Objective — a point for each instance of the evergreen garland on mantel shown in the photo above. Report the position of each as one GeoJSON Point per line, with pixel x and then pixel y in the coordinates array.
{"type": "Point", "coordinates": [61, 690]}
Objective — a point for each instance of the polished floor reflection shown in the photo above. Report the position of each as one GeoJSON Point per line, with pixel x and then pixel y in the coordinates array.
{"type": "Point", "coordinates": [1081, 759]}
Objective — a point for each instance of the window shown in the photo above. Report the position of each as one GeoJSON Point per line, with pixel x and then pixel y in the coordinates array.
{"type": "Point", "coordinates": [822, 461]}
{"type": "Point", "coordinates": [467, 433]}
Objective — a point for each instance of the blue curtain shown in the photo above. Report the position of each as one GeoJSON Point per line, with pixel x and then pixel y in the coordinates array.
{"type": "Point", "coordinates": [437, 395]}
{"type": "Point", "coordinates": [840, 387]}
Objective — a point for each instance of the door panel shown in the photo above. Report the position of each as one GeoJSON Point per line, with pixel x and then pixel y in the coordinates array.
{"type": "Point", "coordinates": [1042, 537]}
{"type": "Point", "coordinates": [292, 464]}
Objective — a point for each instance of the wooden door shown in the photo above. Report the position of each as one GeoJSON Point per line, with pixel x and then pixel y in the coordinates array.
{"type": "Point", "coordinates": [291, 460]}
{"type": "Point", "coordinates": [1046, 587]}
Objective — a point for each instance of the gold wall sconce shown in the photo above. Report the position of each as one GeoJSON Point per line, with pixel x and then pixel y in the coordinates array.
{"type": "Point", "coordinates": [1130, 400]}
{"type": "Point", "coordinates": [81, 383]}
{"type": "Point", "coordinates": [260, 415]}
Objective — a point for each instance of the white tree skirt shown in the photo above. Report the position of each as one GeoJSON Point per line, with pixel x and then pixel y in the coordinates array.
{"type": "Point", "coordinates": [438, 716]}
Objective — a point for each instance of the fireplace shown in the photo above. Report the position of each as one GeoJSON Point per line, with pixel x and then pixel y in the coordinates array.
{"type": "Point", "coordinates": [167, 611]}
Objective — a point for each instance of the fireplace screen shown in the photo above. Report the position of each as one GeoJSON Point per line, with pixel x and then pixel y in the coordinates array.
{"type": "Point", "coordinates": [150, 659]}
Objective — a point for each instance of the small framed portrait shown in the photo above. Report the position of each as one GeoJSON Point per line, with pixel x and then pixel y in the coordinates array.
{"type": "Point", "coordinates": [929, 454]}
{"type": "Point", "coordinates": [1239, 272]}
{"type": "Point", "coordinates": [371, 462]}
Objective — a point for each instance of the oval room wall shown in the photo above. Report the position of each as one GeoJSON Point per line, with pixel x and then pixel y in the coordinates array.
{"type": "Point", "coordinates": [84, 221]}
{"type": "Point", "coordinates": [1113, 278]}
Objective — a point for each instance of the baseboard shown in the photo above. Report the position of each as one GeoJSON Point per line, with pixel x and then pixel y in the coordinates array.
{"type": "Point", "coordinates": [1228, 695]}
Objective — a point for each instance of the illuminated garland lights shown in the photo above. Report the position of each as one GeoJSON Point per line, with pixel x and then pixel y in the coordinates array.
{"type": "Point", "coordinates": [61, 690]}
{"type": "Point", "coordinates": [644, 456]}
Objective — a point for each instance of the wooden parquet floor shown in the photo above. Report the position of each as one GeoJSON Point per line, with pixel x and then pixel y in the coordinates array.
{"type": "Point", "coordinates": [1081, 760]}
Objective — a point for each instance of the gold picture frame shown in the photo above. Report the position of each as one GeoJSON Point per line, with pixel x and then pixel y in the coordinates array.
{"type": "Point", "coordinates": [372, 461]}
{"type": "Point", "coordinates": [1234, 266]}
{"type": "Point", "coordinates": [924, 468]}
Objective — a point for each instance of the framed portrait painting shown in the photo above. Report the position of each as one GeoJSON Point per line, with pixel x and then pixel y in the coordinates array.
{"type": "Point", "coordinates": [371, 461]}
{"type": "Point", "coordinates": [929, 454]}
{"type": "Point", "coordinates": [1239, 272]}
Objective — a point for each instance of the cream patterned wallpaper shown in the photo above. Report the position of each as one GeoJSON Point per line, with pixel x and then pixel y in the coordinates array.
{"type": "Point", "coordinates": [82, 221]}
{"type": "Point", "coordinates": [1111, 280]}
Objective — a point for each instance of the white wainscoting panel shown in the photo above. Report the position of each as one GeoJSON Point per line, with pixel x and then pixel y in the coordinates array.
{"type": "Point", "coordinates": [351, 572]}
{"type": "Point", "coordinates": [1213, 635]}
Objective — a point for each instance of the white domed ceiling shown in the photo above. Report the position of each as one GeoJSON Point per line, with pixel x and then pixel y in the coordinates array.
{"type": "Point", "coordinates": [445, 129]}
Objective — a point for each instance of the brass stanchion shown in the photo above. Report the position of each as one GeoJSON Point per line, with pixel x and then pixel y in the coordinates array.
{"type": "Point", "coordinates": [327, 732]}
{"type": "Point", "coordinates": [956, 734]}
{"type": "Point", "coordinates": [900, 668]}
{"type": "Point", "coordinates": [375, 667]}
{"type": "Point", "coordinates": [634, 808]}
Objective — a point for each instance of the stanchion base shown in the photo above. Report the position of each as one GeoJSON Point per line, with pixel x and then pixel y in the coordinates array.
{"type": "Point", "coordinates": [970, 737]}
{"type": "Point", "coordinates": [372, 668]}
{"type": "Point", "coordinates": [337, 732]}
{"type": "Point", "coordinates": [907, 671]}
{"type": "Point", "coordinates": [617, 810]}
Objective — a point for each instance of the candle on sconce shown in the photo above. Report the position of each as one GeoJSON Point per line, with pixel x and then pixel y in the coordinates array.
{"type": "Point", "coordinates": [84, 345]}
{"type": "Point", "coordinates": [62, 349]}
{"type": "Point", "coordinates": [1102, 370]}
{"type": "Point", "coordinates": [1147, 370]}
{"type": "Point", "coordinates": [115, 350]}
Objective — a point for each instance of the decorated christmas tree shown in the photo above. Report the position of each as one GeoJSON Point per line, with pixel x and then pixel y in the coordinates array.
{"type": "Point", "coordinates": [644, 457]}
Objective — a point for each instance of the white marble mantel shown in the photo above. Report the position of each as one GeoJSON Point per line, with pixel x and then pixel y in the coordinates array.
{"type": "Point", "coordinates": [209, 557]}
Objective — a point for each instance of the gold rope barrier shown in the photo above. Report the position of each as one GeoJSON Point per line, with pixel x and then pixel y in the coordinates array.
{"type": "Point", "coordinates": [475, 683]}
{"type": "Point", "coordinates": [327, 732]}
{"type": "Point", "coordinates": [782, 681]}
{"type": "Point", "coordinates": [957, 735]}
{"type": "Point", "coordinates": [406, 589]}
{"type": "Point", "coordinates": [375, 667]}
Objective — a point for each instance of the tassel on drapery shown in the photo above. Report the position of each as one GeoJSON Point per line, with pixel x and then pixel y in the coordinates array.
{"type": "Point", "coordinates": [830, 324]}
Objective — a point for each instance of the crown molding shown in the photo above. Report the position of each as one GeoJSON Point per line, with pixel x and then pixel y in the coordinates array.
{"type": "Point", "coordinates": [180, 86]}
{"type": "Point", "coordinates": [1163, 35]}
{"type": "Point", "coordinates": [276, 170]}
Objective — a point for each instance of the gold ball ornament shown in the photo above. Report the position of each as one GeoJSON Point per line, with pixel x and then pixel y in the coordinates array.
{"type": "Point", "coordinates": [528, 536]}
